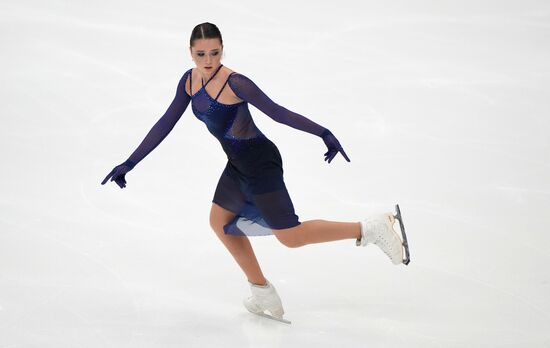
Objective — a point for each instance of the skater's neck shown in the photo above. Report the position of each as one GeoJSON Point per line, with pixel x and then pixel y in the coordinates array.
{"type": "Point", "coordinates": [205, 76]}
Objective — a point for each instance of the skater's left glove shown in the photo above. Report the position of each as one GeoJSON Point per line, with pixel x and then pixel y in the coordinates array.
{"type": "Point", "coordinates": [118, 174]}
{"type": "Point", "coordinates": [333, 146]}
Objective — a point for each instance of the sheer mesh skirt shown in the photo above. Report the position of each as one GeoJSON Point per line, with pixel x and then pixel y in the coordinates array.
{"type": "Point", "coordinates": [252, 186]}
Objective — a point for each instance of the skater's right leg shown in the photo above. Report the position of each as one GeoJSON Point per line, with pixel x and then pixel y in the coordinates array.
{"type": "Point", "coordinates": [239, 246]}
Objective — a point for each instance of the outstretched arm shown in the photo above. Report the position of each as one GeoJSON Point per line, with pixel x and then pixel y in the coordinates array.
{"type": "Point", "coordinates": [247, 90]}
{"type": "Point", "coordinates": [155, 136]}
{"type": "Point", "coordinates": [164, 125]}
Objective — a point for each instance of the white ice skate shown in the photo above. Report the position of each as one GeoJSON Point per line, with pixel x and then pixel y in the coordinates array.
{"type": "Point", "coordinates": [265, 298]}
{"type": "Point", "coordinates": [378, 230]}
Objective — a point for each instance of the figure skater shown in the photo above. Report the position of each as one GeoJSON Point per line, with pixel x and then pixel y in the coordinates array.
{"type": "Point", "coordinates": [251, 198]}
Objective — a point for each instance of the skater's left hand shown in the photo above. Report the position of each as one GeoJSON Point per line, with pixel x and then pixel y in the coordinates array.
{"type": "Point", "coordinates": [118, 174]}
{"type": "Point", "coordinates": [333, 146]}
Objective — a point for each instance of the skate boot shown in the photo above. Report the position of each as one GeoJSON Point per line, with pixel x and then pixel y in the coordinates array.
{"type": "Point", "coordinates": [378, 230]}
{"type": "Point", "coordinates": [265, 298]}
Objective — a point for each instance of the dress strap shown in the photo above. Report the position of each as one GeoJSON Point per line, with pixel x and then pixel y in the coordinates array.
{"type": "Point", "coordinates": [220, 92]}
{"type": "Point", "coordinates": [214, 74]}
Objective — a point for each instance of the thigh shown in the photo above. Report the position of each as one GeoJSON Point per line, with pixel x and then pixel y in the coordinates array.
{"type": "Point", "coordinates": [219, 216]}
{"type": "Point", "coordinates": [228, 193]}
{"type": "Point", "coordinates": [276, 208]}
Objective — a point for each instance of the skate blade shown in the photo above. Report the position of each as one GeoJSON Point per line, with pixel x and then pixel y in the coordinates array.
{"type": "Point", "coordinates": [262, 314]}
{"type": "Point", "coordinates": [402, 227]}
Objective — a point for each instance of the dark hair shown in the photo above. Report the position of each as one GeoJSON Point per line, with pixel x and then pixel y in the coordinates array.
{"type": "Point", "coordinates": [205, 30]}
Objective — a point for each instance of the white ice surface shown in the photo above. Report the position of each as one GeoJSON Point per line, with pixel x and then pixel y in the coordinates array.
{"type": "Point", "coordinates": [442, 107]}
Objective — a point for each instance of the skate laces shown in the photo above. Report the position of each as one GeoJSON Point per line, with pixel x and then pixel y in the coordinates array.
{"type": "Point", "coordinates": [379, 233]}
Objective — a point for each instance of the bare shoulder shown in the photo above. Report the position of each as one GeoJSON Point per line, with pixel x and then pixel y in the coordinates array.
{"type": "Point", "coordinates": [227, 70]}
{"type": "Point", "coordinates": [231, 72]}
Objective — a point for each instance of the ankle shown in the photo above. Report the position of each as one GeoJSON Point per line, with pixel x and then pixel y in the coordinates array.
{"type": "Point", "coordinates": [259, 283]}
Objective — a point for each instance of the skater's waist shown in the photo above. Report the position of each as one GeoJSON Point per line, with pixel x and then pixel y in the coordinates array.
{"type": "Point", "coordinates": [237, 148]}
{"type": "Point", "coordinates": [254, 139]}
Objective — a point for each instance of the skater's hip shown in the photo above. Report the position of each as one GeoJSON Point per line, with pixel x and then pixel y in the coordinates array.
{"type": "Point", "coordinates": [259, 159]}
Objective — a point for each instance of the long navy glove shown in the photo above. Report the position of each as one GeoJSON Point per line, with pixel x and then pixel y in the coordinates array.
{"type": "Point", "coordinates": [156, 135]}
{"type": "Point", "coordinates": [333, 146]}
{"type": "Point", "coordinates": [118, 173]}
{"type": "Point", "coordinates": [248, 91]}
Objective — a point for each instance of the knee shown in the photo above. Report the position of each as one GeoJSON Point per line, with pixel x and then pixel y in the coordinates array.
{"type": "Point", "coordinates": [216, 224]}
{"type": "Point", "coordinates": [212, 219]}
{"type": "Point", "coordinates": [213, 222]}
{"type": "Point", "coordinates": [287, 237]}
{"type": "Point", "coordinates": [219, 217]}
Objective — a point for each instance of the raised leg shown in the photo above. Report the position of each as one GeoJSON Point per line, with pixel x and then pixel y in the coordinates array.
{"type": "Point", "coordinates": [239, 246]}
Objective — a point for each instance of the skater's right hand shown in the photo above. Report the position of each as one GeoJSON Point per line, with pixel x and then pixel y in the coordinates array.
{"type": "Point", "coordinates": [118, 174]}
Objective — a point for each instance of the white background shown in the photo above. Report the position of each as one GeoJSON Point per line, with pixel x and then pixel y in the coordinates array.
{"type": "Point", "coordinates": [442, 107]}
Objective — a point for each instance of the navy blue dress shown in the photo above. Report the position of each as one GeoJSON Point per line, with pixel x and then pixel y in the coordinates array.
{"type": "Point", "coordinates": [251, 184]}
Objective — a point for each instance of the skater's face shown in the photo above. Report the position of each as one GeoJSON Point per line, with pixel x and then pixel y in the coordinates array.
{"type": "Point", "coordinates": [206, 53]}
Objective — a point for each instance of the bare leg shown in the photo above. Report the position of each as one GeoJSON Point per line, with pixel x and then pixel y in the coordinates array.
{"type": "Point", "coordinates": [239, 247]}
{"type": "Point", "coordinates": [318, 231]}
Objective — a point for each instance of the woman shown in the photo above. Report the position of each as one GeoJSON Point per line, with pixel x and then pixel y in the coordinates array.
{"type": "Point", "coordinates": [251, 198]}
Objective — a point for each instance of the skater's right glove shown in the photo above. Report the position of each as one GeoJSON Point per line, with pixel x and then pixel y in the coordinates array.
{"type": "Point", "coordinates": [118, 173]}
{"type": "Point", "coordinates": [333, 146]}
